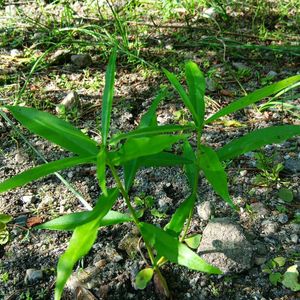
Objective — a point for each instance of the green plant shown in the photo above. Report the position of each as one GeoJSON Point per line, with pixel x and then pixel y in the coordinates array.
{"type": "Point", "coordinates": [143, 147]}
{"type": "Point", "coordinates": [4, 234]}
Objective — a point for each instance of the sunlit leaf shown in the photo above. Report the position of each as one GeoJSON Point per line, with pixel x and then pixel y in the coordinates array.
{"type": "Point", "coordinates": [291, 279]}
{"type": "Point", "coordinates": [143, 277]}
{"type": "Point", "coordinates": [4, 218]}
{"type": "Point", "coordinates": [101, 168]}
{"type": "Point", "coordinates": [55, 130]}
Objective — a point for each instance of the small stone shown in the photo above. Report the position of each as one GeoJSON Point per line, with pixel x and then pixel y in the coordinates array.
{"type": "Point", "coordinates": [240, 66]}
{"type": "Point", "coordinates": [15, 53]}
{"type": "Point", "coordinates": [21, 220]}
{"type": "Point", "coordinates": [294, 238]}
{"type": "Point", "coordinates": [243, 173]}
{"type": "Point", "coordinates": [112, 254]}
{"type": "Point", "coordinates": [283, 218]}
{"type": "Point", "coordinates": [259, 209]}
{"type": "Point", "coordinates": [70, 174]}
{"type": "Point", "coordinates": [205, 210]}
{"type": "Point", "coordinates": [130, 244]}
{"type": "Point", "coordinates": [20, 157]}
{"type": "Point", "coordinates": [33, 275]}
{"type": "Point", "coordinates": [210, 84]}
{"type": "Point", "coordinates": [209, 13]}
{"type": "Point", "coordinates": [268, 227]}
{"type": "Point", "coordinates": [225, 246]}
{"type": "Point", "coordinates": [27, 199]}
{"type": "Point", "coordinates": [81, 60]}
{"type": "Point", "coordinates": [259, 260]}
{"type": "Point", "coordinates": [272, 74]}
{"type": "Point", "coordinates": [69, 102]}
{"type": "Point", "coordinates": [292, 166]}
{"type": "Point", "coordinates": [11, 10]}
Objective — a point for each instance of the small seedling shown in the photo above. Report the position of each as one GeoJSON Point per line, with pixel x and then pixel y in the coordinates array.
{"type": "Point", "coordinates": [147, 146]}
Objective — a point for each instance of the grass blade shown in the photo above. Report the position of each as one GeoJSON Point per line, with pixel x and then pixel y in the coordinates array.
{"type": "Point", "coordinates": [256, 139]}
{"type": "Point", "coordinates": [190, 169]}
{"type": "Point", "coordinates": [254, 97]}
{"type": "Point", "coordinates": [138, 147]}
{"type": "Point", "coordinates": [214, 172]}
{"type": "Point", "coordinates": [101, 168]}
{"type": "Point", "coordinates": [185, 98]}
{"type": "Point", "coordinates": [169, 247]}
{"type": "Point", "coordinates": [82, 241]}
{"type": "Point", "coordinates": [196, 84]}
{"type": "Point", "coordinates": [108, 96]}
{"type": "Point", "coordinates": [43, 170]}
{"type": "Point", "coordinates": [151, 130]}
{"type": "Point", "coordinates": [73, 220]}
{"type": "Point", "coordinates": [55, 130]}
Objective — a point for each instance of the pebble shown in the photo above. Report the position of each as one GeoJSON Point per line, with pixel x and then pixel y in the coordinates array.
{"type": "Point", "coordinates": [21, 220]}
{"type": "Point", "coordinates": [272, 74]}
{"type": "Point", "coordinates": [268, 227]}
{"type": "Point", "coordinates": [283, 218]}
{"type": "Point", "coordinates": [243, 173]}
{"type": "Point", "coordinates": [69, 102]}
{"type": "Point", "coordinates": [15, 53]}
{"type": "Point", "coordinates": [205, 210]}
{"type": "Point", "coordinates": [33, 275]}
{"type": "Point", "coordinates": [294, 238]}
{"type": "Point", "coordinates": [259, 260]}
{"type": "Point", "coordinates": [209, 13]}
{"type": "Point", "coordinates": [210, 84]}
{"type": "Point", "coordinates": [20, 157]}
{"type": "Point", "coordinates": [27, 199]}
{"type": "Point", "coordinates": [259, 209]}
{"type": "Point", "coordinates": [239, 66]}
{"type": "Point", "coordinates": [81, 60]}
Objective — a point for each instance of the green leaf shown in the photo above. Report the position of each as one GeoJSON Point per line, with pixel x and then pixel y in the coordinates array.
{"type": "Point", "coordinates": [82, 241]}
{"type": "Point", "coordinates": [150, 131]}
{"type": "Point", "coordinates": [185, 98]}
{"type": "Point", "coordinates": [181, 214]}
{"type": "Point", "coordinates": [101, 168]}
{"type": "Point", "coordinates": [256, 139]}
{"type": "Point", "coordinates": [196, 84]}
{"type": "Point", "coordinates": [254, 97]}
{"type": "Point", "coordinates": [191, 169]}
{"type": "Point", "coordinates": [286, 195]}
{"type": "Point", "coordinates": [193, 241]}
{"type": "Point", "coordinates": [138, 147]}
{"type": "Point", "coordinates": [43, 170]}
{"type": "Point", "coordinates": [176, 252]}
{"type": "Point", "coordinates": [4, 218]}
{"type": "Point", "coordinates": [163, 159]}
{"type": "Point", "coordinates": [130, 168]}
{"type": "Point", "coordinates": [280, 261]}
{"type": "Point", "coordinates": [275, 278]}
{"type": "Point", "coordinates": [143, 278]}
{"type": "Point", "coordinates": [71, 221]}
{"type": "Point", "coordinates": [108, 96]}
{"type": "Point", "coordinates": [149, 118]}
{"type": "Point", "coordinates": [4, 237]}
{"type": "Point", "coordinates": [55, 130]}
{"type": "Point", "coordinates": [290, 279]}
{"type": "Point", "coordinates": [156, 213]}
{"type": "Point", "coordinates": [214, 172]}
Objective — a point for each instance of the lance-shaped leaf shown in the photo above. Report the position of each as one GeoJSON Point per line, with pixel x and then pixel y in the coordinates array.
{"type": "Point", "coordinates": [55, 130]}
{"type": "Point", "coordinates": [130, 168]}
{"type": "Point", "coordinates": [191, 169]}
{"type": "Point", "coordinates": [82, 241]}
{"type": "Point", "coordinates": [71, 221]}
{"type": "Point", "coordinates": [176, 252]}
{"type": "Point", "coordinates": [149, 118]}
{"type": "Point", "coordinates": [144, 146]}
{"type": "Point", "coordinates": [108, 96]}
{"type": "Point", "coordinates": [214, 172]}
{"type": "Point", "coordinates": [196, 84]}
{"type": "Point", "coordinates": [256, 139]}
{"type": "Point", "coordinates": [43, 170]}
{"type": "Point", "coordinates": [185, 98]}
{"type": "Point", "coordinates": [254, 97]}
{"type": "Point", "coordinates": [150, 131]}
{"type": "Point", "coordinates": [101, 168]}
{"type": "Point", "coordinates": [181, 214]}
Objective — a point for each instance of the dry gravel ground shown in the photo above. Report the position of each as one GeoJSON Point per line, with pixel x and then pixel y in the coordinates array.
{"type": "Point", "coordinates": [28, 260]}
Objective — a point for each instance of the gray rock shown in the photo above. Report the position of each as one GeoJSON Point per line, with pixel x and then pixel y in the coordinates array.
{"type": "Point", "coordinates": [294, 238]}
{"type": "Point", "coordinates": [283, 218]}
{"type": "Point", "coordinates": [268, 227]}
{"type": "Point", "coordinates": [272, 74]}
{"type": "Point", "coordinates": [259, 260]}
{"type": "Point", "coordinates": [27, 199]}
{"type": "Point", "coordinates": [225, 246]}
{"type": "Point", "coordinates": [69, 102]}
{"type": "Point", "coordinates": [292, 166]}
{"type": "Point", "coordinates": [210, 84]}
{"type": "Point", "coordinates": [15, 53]}
{"type": "Point", "coordinates": [209, 13]}
{"type": "Point", "coordinates": [239, 66]}
{"type": "Point", "coordinates": [205, 210]}
{"type": "Point", "coordinates": [259, 209]}
{"type": "Point", "coordinates": [21, 157]}
{"type": "Point", "coordinates": [81, 60]}
{"type": "Point", "coordinates": [21, 220]}
{"type": "Point", "coordinates": [33, 275]}
{"type": "Point", "coordinates": [11, 10]}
